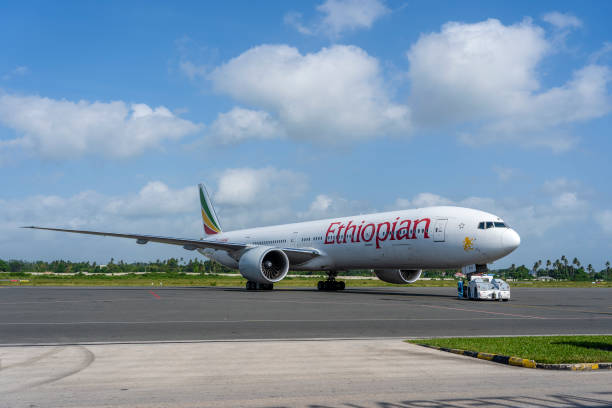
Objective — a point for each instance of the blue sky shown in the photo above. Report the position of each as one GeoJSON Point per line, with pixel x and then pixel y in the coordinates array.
{"type": "Point", "coordinates": [111, 113]}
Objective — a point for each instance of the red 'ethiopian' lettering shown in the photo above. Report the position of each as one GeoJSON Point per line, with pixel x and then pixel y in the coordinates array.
{"type": "Point", "coordinates": [346, 231]}
{"type": "Point", "coordinates": [359, 231]}
{"type": "Point", "coordinates": [393, 229]}
{"type": "Point", "coordinates": [330, 230]}
{"type": "Point", "coordinates": [371, 235]}
{"type": "Point", "coordinates": [339, 234]}
{"type": "Point", "coordinates": [426, 230]}
{"type": "Point", "coordinates": [403, 232]}
{"type": "Point", "coordinates": [398, 230]}
{"type": "Point", "coordinates": [380, 238]}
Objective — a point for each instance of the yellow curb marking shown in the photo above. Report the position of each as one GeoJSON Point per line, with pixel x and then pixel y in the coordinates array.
{"type": "Point", "coordinates": [485, 356]}
{"type": "Point", "coordinates": [586, 366]}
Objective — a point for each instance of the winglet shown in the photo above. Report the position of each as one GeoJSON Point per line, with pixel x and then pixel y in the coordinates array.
{"type": "Point", "coordinates": [209, 216]}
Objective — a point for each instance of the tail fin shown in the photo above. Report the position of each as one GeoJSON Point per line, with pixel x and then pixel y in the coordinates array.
{"type": "Point", "coordinates": [209, 216]}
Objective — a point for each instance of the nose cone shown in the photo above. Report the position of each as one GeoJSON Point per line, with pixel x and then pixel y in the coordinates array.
{"type": "Point", "coordinates": [510, 240]}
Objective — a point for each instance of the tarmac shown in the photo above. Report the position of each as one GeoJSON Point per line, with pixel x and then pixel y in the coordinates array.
{"type": "Point", "coordinates": [224, 347]}
{"type": "Point", "coordinates": [46, 315]}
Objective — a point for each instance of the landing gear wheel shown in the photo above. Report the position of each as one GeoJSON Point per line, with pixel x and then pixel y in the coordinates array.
{"type": "Point", "coordinates": [331, 284]}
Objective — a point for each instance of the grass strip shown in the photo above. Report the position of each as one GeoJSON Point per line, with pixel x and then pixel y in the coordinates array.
{"type": "Point", "coordinates": [169, 279]}
{"type": "Point", "coordinates": [542, 349]}
{"type": "Point", "coordinates": [179, 279]}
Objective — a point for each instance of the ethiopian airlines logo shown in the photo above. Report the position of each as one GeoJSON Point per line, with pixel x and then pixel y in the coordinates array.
{"type": "Point", "coordinates": [393, 230]}
{"type": "Point", "coordinates": [468, 244]}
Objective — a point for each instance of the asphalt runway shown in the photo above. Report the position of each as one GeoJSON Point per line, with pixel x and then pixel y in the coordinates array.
{"type": "Point", "coordinates": [71, 315]}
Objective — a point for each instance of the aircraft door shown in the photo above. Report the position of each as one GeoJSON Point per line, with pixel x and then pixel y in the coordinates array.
{"type": "Point", "coordinates": [439, 229]}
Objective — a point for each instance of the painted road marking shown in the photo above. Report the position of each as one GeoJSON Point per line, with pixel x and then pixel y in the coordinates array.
{"type": "Point", "coordinates": [291, 321]}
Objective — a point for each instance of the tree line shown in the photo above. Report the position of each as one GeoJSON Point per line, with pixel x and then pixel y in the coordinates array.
{"type": "Point", "coordinates": [560, 269]}
{"type": "Point", "coordinates": [168, 266]}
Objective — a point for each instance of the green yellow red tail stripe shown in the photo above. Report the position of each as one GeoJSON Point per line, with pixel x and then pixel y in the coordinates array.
{"type": "Point", "coordinates": [209, 217]}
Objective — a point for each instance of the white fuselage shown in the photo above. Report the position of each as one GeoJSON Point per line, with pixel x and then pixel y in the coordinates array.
{"type": "Point", "coordinates": [432, 237]}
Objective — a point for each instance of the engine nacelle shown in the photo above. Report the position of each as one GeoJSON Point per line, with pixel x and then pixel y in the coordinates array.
{"type": "Point", "coordinates": [264, 265]}
{"type": "Point", "coordinates": [399, 276]}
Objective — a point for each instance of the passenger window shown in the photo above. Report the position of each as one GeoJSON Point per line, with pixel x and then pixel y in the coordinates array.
{"type": "Point", "coordinates": [489, 224]}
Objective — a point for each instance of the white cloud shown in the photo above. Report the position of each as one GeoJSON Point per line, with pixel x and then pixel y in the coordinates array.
{"type": "Point", "coordinates": [562, 20]}
{"type": "Point", "coordinates": [240, 124]}
{"type": "Point", "coordinates": [422, 200]}
{"type": "Point", "coordinates": [332, 95]}
{"type": "Point", "coordinates": [560, 203]}
{"type": "Point", "coordinates": [155, 209]}
{"type": "Point", "coordinates": [346, 15]}
{"type": "Point", "coordinates": [339, 16]}
{"type": "Point", "coordinates": [560, 185]}
{"type": "Point", "coordinates": [568, 201]}
{"type": "Point", "coordinates": [17, 72]}
{"type": "Point", "coordinates": [484, 75]}
{"type": "Point", "coordinates": [248, 186]}
{"type": "Point", "coordinates": [601, 53]}
{"type": "Point", "coordinates": [469, 71]}
{"type": "Point", "coordinates": [604, 218]}
{"type": "Point", "coordinates": [244, 198]}
{"type": "Point", "coordinates": [327, 206]}
{"type": "Point", "coordinates": [191, 70]}
{"type": "Point", "coordinates": [505, 173]}
{"type": "Point", "coordinates": [248, 197]}
{"type": "Point", "coordinates": [294, 19]}
{"type": "Point", "coordinates": [63, 129]}
{"type": "Point", "coordinates": [321, 203]}
{"type": "Point", "coordinates": [155, 199]}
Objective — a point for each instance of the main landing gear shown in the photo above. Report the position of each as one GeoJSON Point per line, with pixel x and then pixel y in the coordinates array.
{"type": "Point", "coordinates": [331, 284]}
{"type": "Point", "coordinates": [250, 285]}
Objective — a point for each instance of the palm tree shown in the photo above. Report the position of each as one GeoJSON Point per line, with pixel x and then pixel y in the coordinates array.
{"type": "Point", "coordinates": [548, 264]}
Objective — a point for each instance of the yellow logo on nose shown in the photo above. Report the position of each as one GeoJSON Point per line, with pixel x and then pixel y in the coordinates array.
{"type": "Point", "coordinates": [468, 244]}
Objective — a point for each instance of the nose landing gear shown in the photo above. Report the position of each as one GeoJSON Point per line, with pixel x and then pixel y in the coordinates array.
{"type": "Point", "coordinates": [331, 284]}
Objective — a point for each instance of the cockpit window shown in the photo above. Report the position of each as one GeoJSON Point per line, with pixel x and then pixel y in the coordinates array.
{"type": "Point", "coordinates": [491, 224]}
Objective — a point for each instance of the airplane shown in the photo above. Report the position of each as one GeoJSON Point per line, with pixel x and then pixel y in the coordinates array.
{"type": "Point", "coordinates": [396, 245]}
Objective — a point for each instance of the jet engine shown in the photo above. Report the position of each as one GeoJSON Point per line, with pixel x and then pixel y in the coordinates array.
{"type": "Point", "coordinates": [264, 265]}
{"type": "Point", "coordinates": [399, 276]}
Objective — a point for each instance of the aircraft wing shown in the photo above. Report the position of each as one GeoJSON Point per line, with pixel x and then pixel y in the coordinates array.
{"type": "Point", "coordinates": [235, 249]}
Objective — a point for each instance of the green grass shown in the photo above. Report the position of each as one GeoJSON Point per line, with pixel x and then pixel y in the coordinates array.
{"type": "Point", "coordinates": [169, 279]}
{"type": "Point", "coordinates": [178, 279]}
{"type": "Point", "coordinates": [542, 349]}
